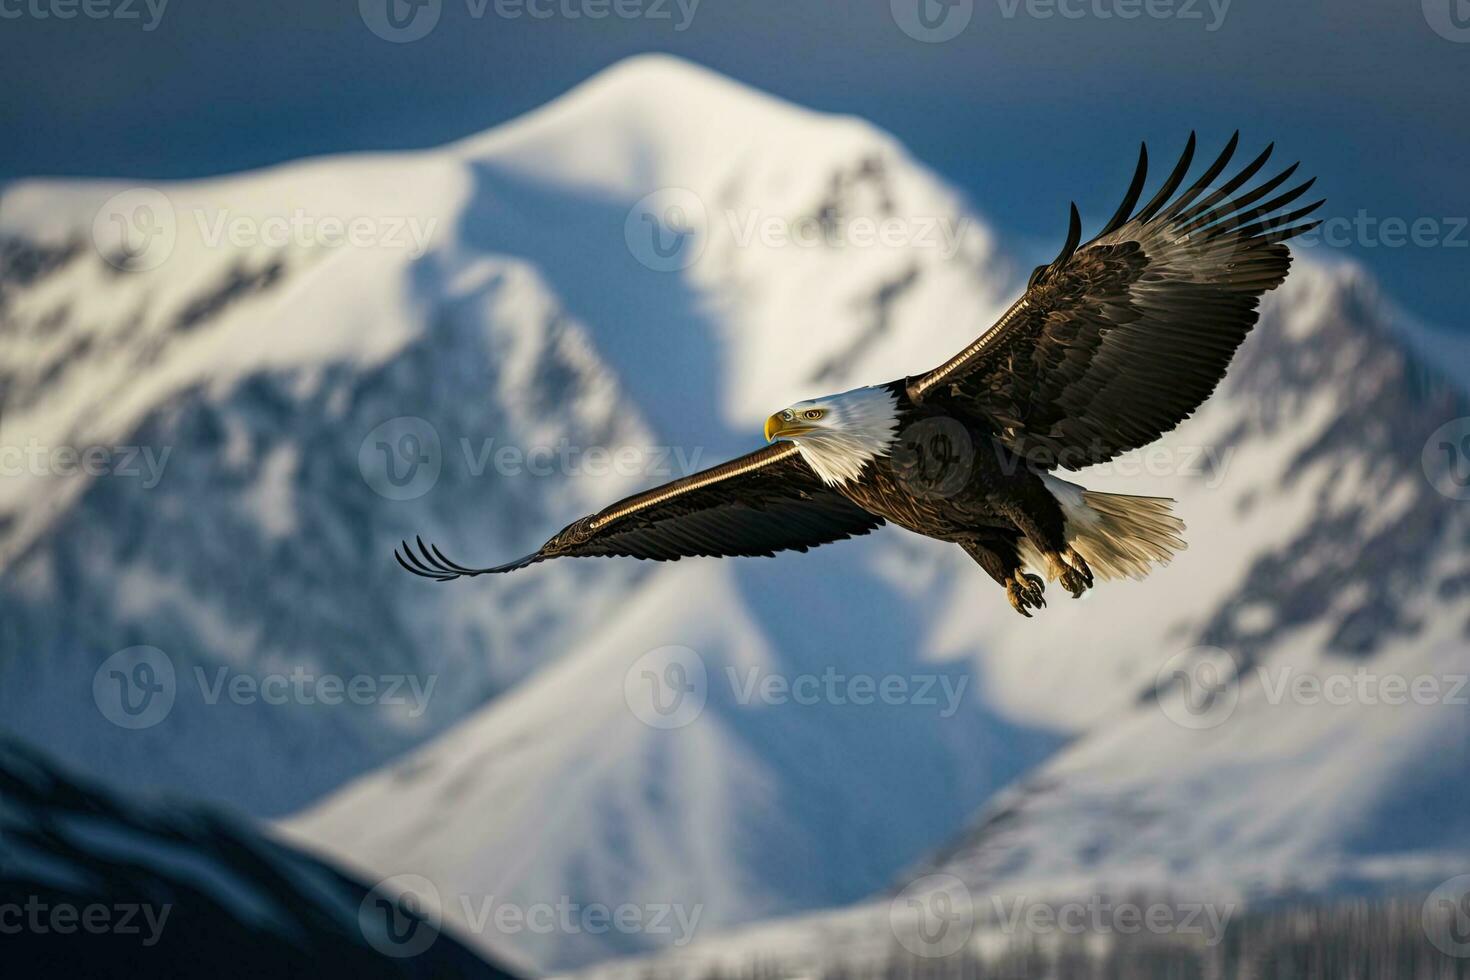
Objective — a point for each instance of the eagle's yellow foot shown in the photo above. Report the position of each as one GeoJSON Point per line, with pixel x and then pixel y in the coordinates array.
{"type": "Point", "coordinates": [1074, 580]}
{"type": "Point", "coordinates": [1026, 592]}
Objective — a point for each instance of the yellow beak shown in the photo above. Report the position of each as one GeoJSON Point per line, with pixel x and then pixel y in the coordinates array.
{"type": "Point", "coordinates": [776, 427]}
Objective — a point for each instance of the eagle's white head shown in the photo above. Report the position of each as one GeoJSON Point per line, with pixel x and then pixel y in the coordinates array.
{"type": "Point", "coordinates": [839, 434]}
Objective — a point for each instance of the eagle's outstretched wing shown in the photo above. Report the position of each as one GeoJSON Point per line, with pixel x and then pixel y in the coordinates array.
{"type": "Point", "coordinates": [759, 504]}
{"type": "Point", "coordinates": [1119, 341]}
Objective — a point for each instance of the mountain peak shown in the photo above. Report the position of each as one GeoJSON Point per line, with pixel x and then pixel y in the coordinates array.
{"type": "Point", "coordinates": [654, 121]}
{"type": "Point", "coordinates": [659, 76]}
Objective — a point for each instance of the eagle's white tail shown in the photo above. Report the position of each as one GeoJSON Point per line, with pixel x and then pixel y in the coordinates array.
{"type": "Point", "coordinates": [1121, 536]}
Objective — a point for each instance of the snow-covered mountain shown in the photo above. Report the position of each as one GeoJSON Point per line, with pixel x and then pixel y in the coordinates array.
{"type": "Point", "coordinates": [654, 262]}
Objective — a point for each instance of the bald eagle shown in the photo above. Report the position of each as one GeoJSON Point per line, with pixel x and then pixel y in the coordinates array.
{"type": "Point", "coordinates": [1112, 344]}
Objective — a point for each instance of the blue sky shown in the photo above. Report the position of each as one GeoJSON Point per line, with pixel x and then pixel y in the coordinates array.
{"type": "Point", "coordinates": [1027, 105]}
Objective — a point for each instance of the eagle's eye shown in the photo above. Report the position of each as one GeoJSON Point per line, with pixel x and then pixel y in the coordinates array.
{"type": "Point", "coordinates": [813, 413]}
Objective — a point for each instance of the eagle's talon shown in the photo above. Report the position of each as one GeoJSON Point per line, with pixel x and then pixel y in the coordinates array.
{"type": "Point", "coordinates": [1080, 564]}
{"type": "Point", "coordinates": [1074, 582]}
{"type": "Point", "coordinates": [1025, 592]}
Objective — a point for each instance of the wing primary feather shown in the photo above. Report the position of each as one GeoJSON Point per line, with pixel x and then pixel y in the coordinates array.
{"type": "Point", "coordinates": [455, 566]}
{"type": "Point", "coordinates": [409, 568]}
{"type": "Point", "coordinates": [1279, 221]}
{"type": "Point", "coordinates": [417, 562]}
{"type": "Point", "coordinates": [430, 562]}
{"type": "Point", "coordinates": [1249, 215]}
{"type": "Point", "coordinates": [1229, 187]}
{"type": "Point", "coordinates": [410, 561]}
{"type": "Point", "coordinates": [1205, 179]}
{"type": "Point", "coordinates": [1172, 184]}
{"type": "Point", "coordinates": [1125, 210]}
{"type": "Point", "coordinates": [1074, 238]}
{"type": "Point", "coordinates": [1286, 234]}
{"type": "Point", "coordinates": [1240, 204]}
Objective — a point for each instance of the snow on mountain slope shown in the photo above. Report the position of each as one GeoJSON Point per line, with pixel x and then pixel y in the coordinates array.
{"type": "Point", "coordinates": [803, 236]}
{"type": "Point", "coordinates": [252, 534]}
